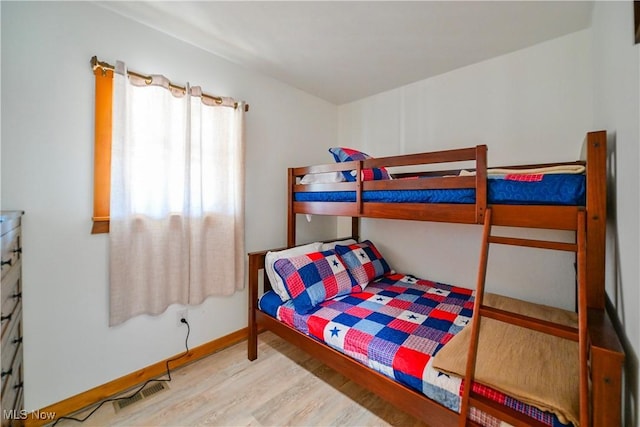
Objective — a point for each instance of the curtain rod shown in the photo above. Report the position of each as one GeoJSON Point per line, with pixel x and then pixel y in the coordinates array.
{"type": "Point", "coordinates": [148, 79]}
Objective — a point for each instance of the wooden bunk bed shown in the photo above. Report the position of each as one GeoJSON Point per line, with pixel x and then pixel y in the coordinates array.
{"type": "Point", "coordinates": [603, 347]}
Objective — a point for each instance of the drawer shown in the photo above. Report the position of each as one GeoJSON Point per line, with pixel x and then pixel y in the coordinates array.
{"type": "Point", "coordinates": [11, 285]}
{"type": "Point", "coordinates": [14, 415]}
{"type": "Point", "coordinates": [12, 383]}
{"type": "Point", "coordinates": [12, 342]}
{"type": "Point", "coordinates": [11, 298]}
{"type": "Point", "coordinates": [9, 221]}
{"type": "Point", "coordinates": [12, 399]}
{"type": "Point", "coordinates": [11, 346]}
{"type": "Point", "coordinates": [11, 250]}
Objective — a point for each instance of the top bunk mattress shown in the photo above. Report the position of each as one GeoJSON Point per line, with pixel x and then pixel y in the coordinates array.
{"type": "Point", "coordinates": [548, 189]}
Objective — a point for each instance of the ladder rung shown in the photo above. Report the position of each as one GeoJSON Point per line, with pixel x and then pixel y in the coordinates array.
{"type": "Point", "coordinates": [501, 412]}
{"type": "Point", "coordinates": [542, 244]}
{"type": "Point", "coordinates": [562, 331]}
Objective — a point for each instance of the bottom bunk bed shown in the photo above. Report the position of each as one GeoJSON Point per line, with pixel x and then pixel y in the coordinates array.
{"type": "Point", "coordinates": [384, 330]}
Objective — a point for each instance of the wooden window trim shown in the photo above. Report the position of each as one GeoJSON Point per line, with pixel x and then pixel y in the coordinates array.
{"type": "Point", "coordinates": [103, 73]}
{"type": "Point", "coordinates": [102, 150]}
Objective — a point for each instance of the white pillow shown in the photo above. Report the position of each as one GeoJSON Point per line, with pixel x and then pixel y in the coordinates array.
{"type": "Point", "coordinates": [332, 245]}
{"type": "Point", "coordinates": [322, 178]}
{"type": "Point", "coordinates": [272, 256]}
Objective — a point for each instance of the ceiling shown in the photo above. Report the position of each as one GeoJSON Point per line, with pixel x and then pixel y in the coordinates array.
{"type": "Point", "coordinates": [343, 51]}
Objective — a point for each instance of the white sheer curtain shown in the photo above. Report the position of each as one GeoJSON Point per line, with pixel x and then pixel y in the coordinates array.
{"type": "Point", "coordinates": [177, 197]}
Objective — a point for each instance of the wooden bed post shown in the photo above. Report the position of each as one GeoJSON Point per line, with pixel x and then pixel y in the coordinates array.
{"type": "Point", "coordinates": [359, 188]}
{"type": "Point", "coordinates": [256, 262]}
{"type": "Point", "coordinates": [481, 183]}
{"type": "Point", "coordinates": [596, 217]}
{"type": "Point", "coordinates": [355, 228]}
{"type": "Point", "coordinates": [607, 353]}
{"type": "Point", "coordinates": [291, 215]}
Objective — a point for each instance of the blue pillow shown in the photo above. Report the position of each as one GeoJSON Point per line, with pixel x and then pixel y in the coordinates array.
{"type": "Point", "coordinates": [364, 261]}
{"type": "Point", "coordinates": [343, 154]}
{"type": "Point", "coordinates": [312, 278]}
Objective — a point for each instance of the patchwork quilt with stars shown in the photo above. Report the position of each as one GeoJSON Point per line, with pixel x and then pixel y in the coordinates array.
{"type": "Point", "coordinates": [395, 326]}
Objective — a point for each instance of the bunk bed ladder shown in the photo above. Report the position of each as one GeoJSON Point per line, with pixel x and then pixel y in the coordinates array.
{"type": "Point", "coordinates": [471, 399]}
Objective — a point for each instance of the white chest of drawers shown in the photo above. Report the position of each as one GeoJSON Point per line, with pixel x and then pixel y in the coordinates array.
{"type": "Point", "coordinates": [11, 350]}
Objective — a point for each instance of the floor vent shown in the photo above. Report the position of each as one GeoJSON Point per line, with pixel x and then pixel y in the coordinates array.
{"type": "Point", "coordinates": [145, 393]}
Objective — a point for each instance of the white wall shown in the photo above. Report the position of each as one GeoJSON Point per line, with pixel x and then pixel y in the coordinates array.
{"type": "Point", "coordinates": [617, 108]}
{"type": "Point", "coordinates": [47, 167]}
{"type": "Point", "coordinates": [530, 106]}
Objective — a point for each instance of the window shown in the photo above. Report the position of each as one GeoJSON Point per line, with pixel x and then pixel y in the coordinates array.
{"type": "Point", "coordinates": [169, 178]}
{"type": "Point", "coordinates": [103, 73]}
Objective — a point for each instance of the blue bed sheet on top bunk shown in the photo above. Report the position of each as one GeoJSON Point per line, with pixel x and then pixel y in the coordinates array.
{"type": "Point", "coordinates": [553, 189]}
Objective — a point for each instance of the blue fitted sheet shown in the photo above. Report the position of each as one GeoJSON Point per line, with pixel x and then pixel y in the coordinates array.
{"type": "Point", "coordinates": [553, 189]}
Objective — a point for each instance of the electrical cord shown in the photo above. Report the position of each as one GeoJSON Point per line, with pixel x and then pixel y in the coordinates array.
{"type": "Point", "coordinates": [115, 399]}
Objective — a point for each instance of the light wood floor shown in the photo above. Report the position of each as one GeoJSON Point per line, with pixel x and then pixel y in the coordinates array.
{"type": "Point", "coordinates": [284, 386]}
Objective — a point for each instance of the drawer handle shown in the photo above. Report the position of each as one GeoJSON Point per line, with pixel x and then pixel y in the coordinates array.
{"type": "Point", "coordinates": [17, 251]}
{"type": "Point", "coordinates": [7, 262]}
{"type": "Point", "coordinates": [5, 373]}
{"type": "Point", "coordinates": [16, 340]}
{"type": "Point", "coordinates": [17, 296]}
{"type": "Point", "coordinates": [17, 386]}
{"type": "Point", "coordinates": [3, 318]}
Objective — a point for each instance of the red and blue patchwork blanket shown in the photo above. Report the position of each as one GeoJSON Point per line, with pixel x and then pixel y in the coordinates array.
{"type": "Point", "coordinates": [396, 326]}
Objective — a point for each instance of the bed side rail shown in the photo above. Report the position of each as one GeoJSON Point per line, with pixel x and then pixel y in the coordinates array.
{"type": "Point", "coordinates": [474, 154]}
{"type": "Point", "coordinates": [444, 178]}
